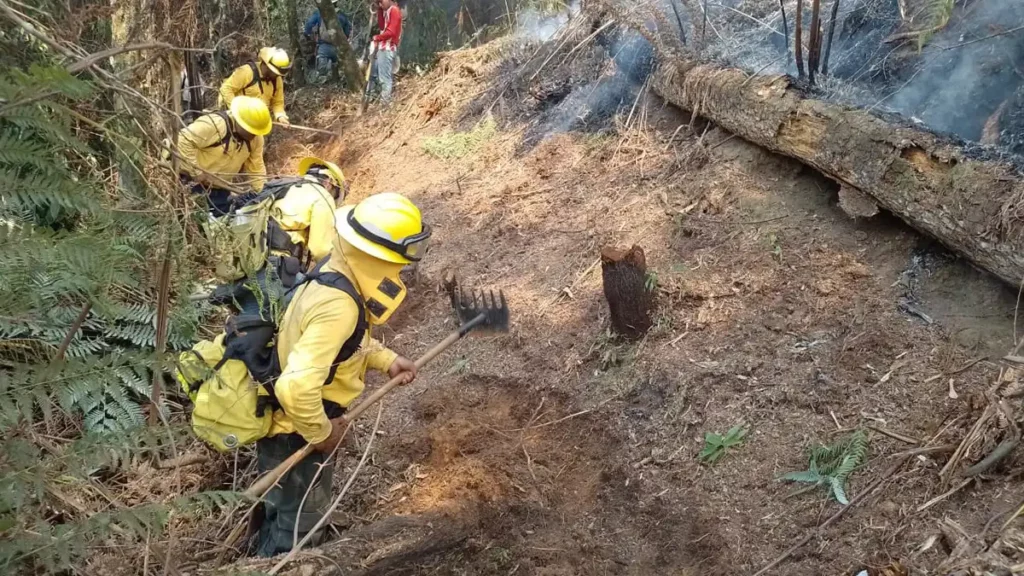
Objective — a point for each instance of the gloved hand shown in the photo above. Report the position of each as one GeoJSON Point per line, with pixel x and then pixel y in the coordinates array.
{"type": "Point", "coordinates": [404, 367]}
{"type": "Point", "coordinates": [282, 119]}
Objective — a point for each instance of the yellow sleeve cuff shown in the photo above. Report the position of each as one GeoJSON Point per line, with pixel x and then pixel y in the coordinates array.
{"type": "Point", "coordinates": [378, 357]}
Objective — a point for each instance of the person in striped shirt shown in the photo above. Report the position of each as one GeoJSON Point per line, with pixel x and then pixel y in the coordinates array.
{"type": "Point", "coordinates": [389, 18]}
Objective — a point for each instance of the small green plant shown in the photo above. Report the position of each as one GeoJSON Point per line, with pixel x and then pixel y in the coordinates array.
{"type": "Point", "coordinates": [451, 145]}
{"type": "Point", "coordinates": [936, 16]}
{"type": "Point", "coordinates": [832, 465]}
{"type": "Point", "coordinates": [651, 281]}
{"type": "Point", "coordinates": [716, 445]}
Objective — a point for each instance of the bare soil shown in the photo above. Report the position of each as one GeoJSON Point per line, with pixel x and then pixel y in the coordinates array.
{"type": "Point", "coordinates": [776, 310]}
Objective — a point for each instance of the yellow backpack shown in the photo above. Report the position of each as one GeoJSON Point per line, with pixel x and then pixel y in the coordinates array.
{"type": "Point", "coordinates": [230, 379]}
{"type": "Point", "coordinates": [231, 409]}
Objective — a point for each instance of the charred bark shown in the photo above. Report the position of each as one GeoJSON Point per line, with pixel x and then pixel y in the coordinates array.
{"type": "Point", "coordinates": [630, 302]}
{"type": "Point", "coordinates": [967, 198]}
{"type": "Point", "coordinates": [798, 38]}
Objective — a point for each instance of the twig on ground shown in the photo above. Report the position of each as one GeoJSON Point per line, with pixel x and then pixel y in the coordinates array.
{"type": "Point", "coordinates": [967, 366]}
{"type": "Point", "coordinates": [811, 534]}
{"type": "Point", "coordinates": [337, 501]}
{"type": "Point", "coordinates": [943, 496]}
{"type": "Point", "coordinates": [896, 435]}
{"type": "Point", "coordinates": [187, 459]}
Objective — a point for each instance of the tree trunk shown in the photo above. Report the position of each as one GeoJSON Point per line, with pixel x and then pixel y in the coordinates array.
{"type": "Point", "coordinates": [630, 302]}
{"type": "Point", "coordinates": [298, 77]}
{"type": "Point", "coordinates": [346, 59]}
{"type": "Point", "coordinates": [798, 38]}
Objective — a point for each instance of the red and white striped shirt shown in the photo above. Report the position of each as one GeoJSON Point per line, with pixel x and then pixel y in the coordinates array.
{"type": "Point", "coordinates": [390, 22]}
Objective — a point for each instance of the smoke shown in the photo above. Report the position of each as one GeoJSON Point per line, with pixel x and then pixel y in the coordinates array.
{"type": "Point", "coordinates": [958, 85]}
{"type": "Point", "coordinates": [591, 105]}
{"type": "Point", "coordinates": [959, 78]}
{"type": "Point", "coordinates": [540, 26]}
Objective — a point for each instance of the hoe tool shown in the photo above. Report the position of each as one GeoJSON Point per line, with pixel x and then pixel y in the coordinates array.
{"type": "Point", "coordinates": [476, 310]}
{"type": "Point", "coordinates": [367, 86]}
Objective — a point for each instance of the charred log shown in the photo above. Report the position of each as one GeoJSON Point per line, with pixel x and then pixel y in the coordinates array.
{"type": "Point", "coordinates": [630, 301]}
{"type": "Point", "coordinates": [969, 198]}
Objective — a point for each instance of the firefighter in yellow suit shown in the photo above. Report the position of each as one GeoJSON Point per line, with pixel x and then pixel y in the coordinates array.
{"type": "Point", "coordinates": [260, 79]}
{"type": "Point", "coordinates": [222, 145]}
{"type": "Point", "coordinates": [375, 240]}
{"type": "Point", "coordinates": [306, 212]}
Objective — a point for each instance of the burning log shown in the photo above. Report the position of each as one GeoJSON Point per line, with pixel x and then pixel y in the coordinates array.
{"type": "Point", "coordinates": [630, 302]}
{"type": "Point", "coordinates": [969, 198]}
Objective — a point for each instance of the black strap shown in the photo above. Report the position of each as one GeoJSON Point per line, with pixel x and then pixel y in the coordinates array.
{"type": "Point", "coordinates": [350, 346]}
{"type": "Point", "coordinates": [225, 142]}
{"type": "Point", "coordinates": [257, 79]}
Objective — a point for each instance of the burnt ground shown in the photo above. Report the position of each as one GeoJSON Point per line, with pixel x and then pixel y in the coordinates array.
{"type": "Point", "coordinates": [776, 310]}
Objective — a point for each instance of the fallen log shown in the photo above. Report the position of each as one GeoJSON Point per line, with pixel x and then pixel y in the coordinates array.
{"type": "Point", "coordinates": [966, 196]}
{"type": "Point", "coordinates": [383, 546]}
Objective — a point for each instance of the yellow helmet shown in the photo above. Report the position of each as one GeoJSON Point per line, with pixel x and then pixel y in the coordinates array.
{"type": "Point", "coordinates": [322, 168]}
{"type": "Point", "coordinates": [276, 59]}
{"type": "Point", "coordinates": [386, 226]}
{"type": "Point", "coordinates": [251, 114]}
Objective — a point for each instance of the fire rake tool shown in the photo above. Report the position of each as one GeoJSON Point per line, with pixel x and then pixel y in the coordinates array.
{"type": "Point", "coordinates": [475, 310]}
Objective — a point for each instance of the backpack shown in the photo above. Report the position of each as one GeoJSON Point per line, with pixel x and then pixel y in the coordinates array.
{"type": "Point", "coordinates": [243, 240]}
{"type": "Point", "coordinates": [230, 380]}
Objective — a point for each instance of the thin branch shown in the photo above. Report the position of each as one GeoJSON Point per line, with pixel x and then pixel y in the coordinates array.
{"type": "Point", "coordinates": [337, 501]}
{"type": "Point", "coordinates": [75, 327]}
{"type": "Point", "coordinates": [162, 306]}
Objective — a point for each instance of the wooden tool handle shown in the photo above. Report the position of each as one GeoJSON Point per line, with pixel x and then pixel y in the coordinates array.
{"type": "Point", "coordinates": [267, 481]}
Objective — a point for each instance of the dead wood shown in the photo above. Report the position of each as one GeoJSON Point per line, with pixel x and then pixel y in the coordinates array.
{"type": "Point", "coordinates": [392, 543]}
{"type": "Point", "coordinates": [968, 198]}
{"type": "Point", "coordinates": [624, 272]}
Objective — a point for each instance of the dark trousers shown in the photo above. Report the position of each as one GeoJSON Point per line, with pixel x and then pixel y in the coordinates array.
{"type": "Point", "coordinates": [281, 507]}
{"type": "Point", "coordinates": [219, 200]}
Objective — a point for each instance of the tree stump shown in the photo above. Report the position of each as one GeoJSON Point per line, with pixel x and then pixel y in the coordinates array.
{"type": "Point", "coordinates": [624, 272]}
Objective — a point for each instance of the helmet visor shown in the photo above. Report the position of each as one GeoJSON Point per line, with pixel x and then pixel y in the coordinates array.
{"type": "Point", "coordinates": [412, 247]}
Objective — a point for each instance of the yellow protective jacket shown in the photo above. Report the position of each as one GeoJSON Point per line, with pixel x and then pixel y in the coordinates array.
{"type": "Point", "coordinates": [315, 325]}
{"type": "Point", "coordinates": [240, 83]}
{"type": "Point", "coordinates": [307, 213]}
{"type": "Point", "coordinates": [201, 144]}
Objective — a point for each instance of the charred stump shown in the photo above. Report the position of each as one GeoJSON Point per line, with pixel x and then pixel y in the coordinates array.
{"type": "Point", "coordinates": [630, 302]}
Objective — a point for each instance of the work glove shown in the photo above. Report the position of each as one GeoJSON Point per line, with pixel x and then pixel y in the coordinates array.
{"type": "Point", "coordinates": [282, 119]}
{"type": "Point", "coordinates": [404, 367]}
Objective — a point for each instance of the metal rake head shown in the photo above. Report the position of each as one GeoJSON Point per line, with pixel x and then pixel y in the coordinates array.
{"type": "Point", "coordinates": [470, 306]}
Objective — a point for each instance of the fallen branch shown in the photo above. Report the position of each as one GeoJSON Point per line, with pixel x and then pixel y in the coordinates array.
{"type": "Point", "coordinates": [188, 459]}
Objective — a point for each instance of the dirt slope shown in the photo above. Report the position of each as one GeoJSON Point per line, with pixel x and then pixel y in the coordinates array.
{"type": "Point", "coordinates": [776, 310]}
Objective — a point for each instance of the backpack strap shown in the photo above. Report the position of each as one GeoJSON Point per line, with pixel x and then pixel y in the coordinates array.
{"type": "Point", "coordinates": [349, 347]}
{"type": "Point", "coordinates": [225, 142]}
{"type": "Point", "coordinates": [257, 80]}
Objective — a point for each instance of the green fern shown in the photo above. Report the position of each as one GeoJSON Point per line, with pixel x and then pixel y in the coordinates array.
{"type": "Point", "coordinates": [832, 465]}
